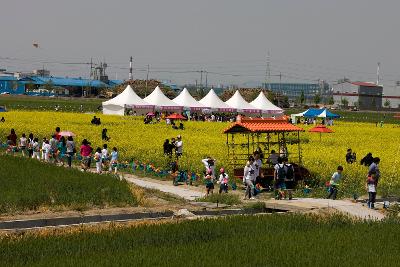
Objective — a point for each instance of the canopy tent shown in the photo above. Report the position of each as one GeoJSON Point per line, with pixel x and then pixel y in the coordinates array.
{"type": "Point", "coordinates": [160, 101]}
{"type": "Point", "coordinates": [188, 102]}
{"type": "Point", "coordinates": [214, 102]}
{"type": "Point", "coordinates": [176, 116]}
{"type": "Point", "coordinates": [320, 129]}
{"type": "Point", "coordinates": [237, 102]}
{"type": "Point", "coordinates": [321, 113]}
{"type": "Point", "coordinates": [262, 103]}
{"type": "Point", "coordinates": [117, 105]}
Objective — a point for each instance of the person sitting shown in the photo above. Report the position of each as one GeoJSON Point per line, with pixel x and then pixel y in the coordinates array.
{"type": "Point", "coordinates": [104, 135]}
{"type": "Point", "coordinates": [367, 160]}
{"type": "Point", "coordinates": [2, 119]}
{"type": "Point", "coordinates": [181, 127]}
{"type": "Point", "coordinates": [94, 120]}
{"type": "Point", "coordinates": [350, 156]}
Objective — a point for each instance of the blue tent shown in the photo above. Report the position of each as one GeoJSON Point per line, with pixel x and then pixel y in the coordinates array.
{"type": "Point", "coordinates": [321, 113]}
{"type": "Point", "coordinates": [2, 109]}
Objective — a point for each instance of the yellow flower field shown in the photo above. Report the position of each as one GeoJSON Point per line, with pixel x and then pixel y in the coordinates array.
{"type": "Point", "coordinates": [138, 141]}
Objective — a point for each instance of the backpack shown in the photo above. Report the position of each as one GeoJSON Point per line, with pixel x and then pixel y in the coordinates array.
{"type": "Point", "coordinates": [281, 173]}
{"type": "Point", "coordinates": [289, 172]}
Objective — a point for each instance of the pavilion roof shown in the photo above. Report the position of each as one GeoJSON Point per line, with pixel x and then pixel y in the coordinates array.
{"type": "Point", "coordinates": [260, 125]}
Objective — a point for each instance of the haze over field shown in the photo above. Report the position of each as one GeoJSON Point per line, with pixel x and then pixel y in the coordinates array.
{"type": "Point", "coordinates": [308, 39]}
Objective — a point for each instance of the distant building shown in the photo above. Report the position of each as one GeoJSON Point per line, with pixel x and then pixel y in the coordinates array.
{"type": "Point", "coordinates": [42, 85]}
{"type": "Point", "coordinates": [293, 90]}
{"type": "Point", "coordinates": [364, 95]}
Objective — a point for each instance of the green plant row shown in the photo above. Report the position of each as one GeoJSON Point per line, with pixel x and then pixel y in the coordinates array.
{"type": "Point", "coordinates": [270, 240]}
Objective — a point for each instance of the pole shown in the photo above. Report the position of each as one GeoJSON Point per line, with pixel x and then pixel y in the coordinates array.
{"type": "Point", "coordinates": [147, 76]}
{"type": "Point", "coordinates": [206, 80]}
{"type": "Point", "coordinates": [130, 69]}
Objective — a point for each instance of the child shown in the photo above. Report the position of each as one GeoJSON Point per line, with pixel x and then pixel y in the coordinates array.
{"type": "Point", "coordinates": [223, 181]}
{"type": "Point", "coordinates": [36, 149]}
{"type": "Point", "coordinates": [22, 144]}
{"type": "Point", "coordinates": [114, 160]}
{"type": "Point", "coordinates": [43, 144]}
{"type": "Point", "coordinates": [371, 188]}
{"type": "Point", "coordinates": [279, 178]}
{"type": "Point", "coordinates": [46, 151]}
{"type": "Point", "coordinates": [209, 182]}
{"type": "Point", "coordinates": [334, 183]}
{"type": "Point", "coordinates": [97, 158]}
{"type": "Point", "coordinates": [104, 156]}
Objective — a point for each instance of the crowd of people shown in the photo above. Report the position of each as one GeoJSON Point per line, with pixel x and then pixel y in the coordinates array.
{"type": "Point", "coordinates": [372, 176]}
{"type": "Point", "coordinates": [61, 150]}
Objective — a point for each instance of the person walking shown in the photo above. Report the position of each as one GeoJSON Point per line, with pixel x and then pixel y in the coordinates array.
{"type": "Point", "coordinates": [334, 183]}
{"type": "Point", "coordinates": [54, 148]}
{"type": "Point", "coordinates": [86, 152]}
{"type": "Point", "coordinates": [179, 146]}
{"type": "Point", "coordinates": [289, 178]}
{"type": "Point", "coordinates": [36, 149]}
{"type": "Point", "coordinates": [97, 158]}
{"type": "Point", "coordinates": [62, 149]}
{"type": "Point", "coordinates": [279, 179]}
{"type": "Point", "coordinates": [22, 144]}
{"type": "Point", "coordinates": [104, 156]}
{"type": "Point", "coordinates": [209, 180]}
{"type": "Point", "coordinates": [71, 150]}
{"type": "Point", "coordinates": [223, 181]}
{"type": "Point", "coordinates": [249, 178]}
{"type": "Point", "coordinates": [43, 147]}
{"type": "Point", "coordinates": [46, 151]}
{"type": "Point", "coordinates": [114, 160]}
{"type": "Point", "coordinates": [371, 188]}
{"type": "Point", "coordinates": [30, 145]}
{"type": "Point", "coordinates": [209, 164]}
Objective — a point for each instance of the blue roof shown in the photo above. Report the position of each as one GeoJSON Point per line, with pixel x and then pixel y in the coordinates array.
{"type": "Point", "coordinates": [7, 78]}
{"type": "Point", "coordinates": [60, 81]}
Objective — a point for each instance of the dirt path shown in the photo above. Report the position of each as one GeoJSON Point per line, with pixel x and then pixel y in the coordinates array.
{"type": "Point", "coordinates": [183, 191]}
{"type": "Point", "coordinates": [355, 210]}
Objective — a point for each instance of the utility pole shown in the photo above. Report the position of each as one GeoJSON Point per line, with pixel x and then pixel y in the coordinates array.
{"type": "Point", "coordinates": [268, 73]}
{"type": "Point", "coordinates": [147, 75]}
{"type": "Point", "coordinates": [130, 68]}
{"type": "Point", "coordinates": [206, 80]}
{"type": "Point", "coordinates": [377, 73]}
{"type": "Point", "coordinates": [201, 79]}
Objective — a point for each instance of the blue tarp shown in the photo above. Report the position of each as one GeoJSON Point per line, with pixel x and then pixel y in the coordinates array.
{"type": "Point", "coordinates": [322, 113]}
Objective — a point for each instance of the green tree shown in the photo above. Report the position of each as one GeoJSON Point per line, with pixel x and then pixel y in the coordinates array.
{"type": "Point", "coordinates": [331, 101]}
{"type": "Point", "coordinates": [345, 102]}
{"type": "Point", "coordinates": [302, 98]}
{"type": "Point", "coordinates": [317, 99]}
{"type": "Point", "coordinates": [387, 103]}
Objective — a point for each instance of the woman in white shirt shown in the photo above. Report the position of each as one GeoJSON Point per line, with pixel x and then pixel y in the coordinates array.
{"type": "Point", "coordinates": [249, 178]}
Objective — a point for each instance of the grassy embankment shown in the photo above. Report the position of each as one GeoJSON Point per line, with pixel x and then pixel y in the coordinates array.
{"type": "Point", "coordinates": [30, 185]}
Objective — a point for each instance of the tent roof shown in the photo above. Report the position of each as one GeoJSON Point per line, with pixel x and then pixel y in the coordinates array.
{"type": "Point", "coordinates": [246, 125]}
{"type": "Point", "coordinates": [213, 101]}
{"type": "Point", "coordinates": [261, 102]}
{"type": "Point", "coordinates": [157, 98]}
{"type": "Point", "coordinates": [238, 102]}
{"type": "Point", "coordinates": [127, 97]}
{"type": "Point", "coordinates": [322, 113]}
{"type": "Point", "coordinates": [186, 100]}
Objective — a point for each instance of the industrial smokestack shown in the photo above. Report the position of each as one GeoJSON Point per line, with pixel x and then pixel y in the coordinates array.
{"type": "Point", "coordinates": [377, 73]}
{"type": "Point", "coordinates": [130, 69]}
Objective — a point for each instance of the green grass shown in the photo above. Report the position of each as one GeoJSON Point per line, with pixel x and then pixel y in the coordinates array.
{"type": "Point", "coordinates": [48, 103]}
{"type": "Point", "coordinates": [229, 199]}
{"type": "Point", "coordinates": [270, 240]}
{"type": "Point", "coordinates": [27, 184]}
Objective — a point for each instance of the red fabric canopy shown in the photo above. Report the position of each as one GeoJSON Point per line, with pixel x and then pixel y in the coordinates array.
{"type": "Point", "coordinates": [320, 129]}
{"type": "Point", "coordinates": [176, 116]}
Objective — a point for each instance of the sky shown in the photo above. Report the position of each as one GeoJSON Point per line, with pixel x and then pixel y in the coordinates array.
{"type": "Point", "coordinates": [308, 40]}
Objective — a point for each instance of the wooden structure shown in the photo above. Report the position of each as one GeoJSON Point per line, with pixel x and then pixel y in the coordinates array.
{"type": "Point", "coordinates": [247, 135]}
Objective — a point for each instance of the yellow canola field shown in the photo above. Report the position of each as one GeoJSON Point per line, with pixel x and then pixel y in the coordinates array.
{"type": "Point", "coordinates": [138, 141]}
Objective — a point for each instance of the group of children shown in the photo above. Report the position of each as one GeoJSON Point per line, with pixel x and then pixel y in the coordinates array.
{"type": "Point", "coordinates": [59, 149]}
{"type": "Point", "coordinates": [371, 184]}
{"type": "Point", "coordinates": [210, 177]}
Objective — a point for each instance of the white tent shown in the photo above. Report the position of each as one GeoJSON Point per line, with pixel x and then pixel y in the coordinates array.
{"type": "Point", "coordinates": [187, 101]}
{"type": "Point", "coordinates": [128, 98]}
{"type": "Point", "coordinates": [158, 99]}
{"type": "Point", "coordinates": [238, 102]}
{"type": "Point", "coordinates": [262, 103]}
{"type": "Point", "coordinates": [214, 102]}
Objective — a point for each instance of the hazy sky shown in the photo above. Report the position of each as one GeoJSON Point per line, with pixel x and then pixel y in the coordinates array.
{"type": "Point", "coordinates": [308, 40]}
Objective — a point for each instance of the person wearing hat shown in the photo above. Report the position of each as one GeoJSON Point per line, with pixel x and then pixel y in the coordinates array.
{"type": "Point", "coordinates": [179, 146]}
{"type": "Point", "coordinates": [223, 181]}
